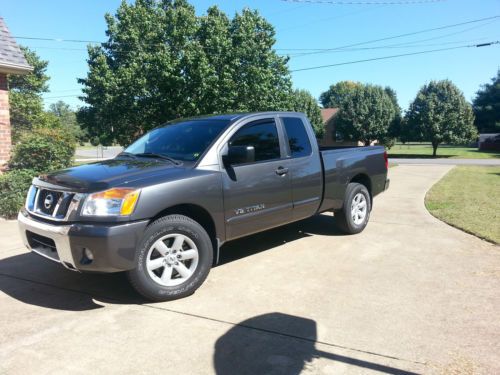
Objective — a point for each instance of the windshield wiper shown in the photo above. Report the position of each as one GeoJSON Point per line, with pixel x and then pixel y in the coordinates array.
{"type": "Point", "coordinates": [159, 156]}
{"type": "Point", "coordinates": [129, 154]}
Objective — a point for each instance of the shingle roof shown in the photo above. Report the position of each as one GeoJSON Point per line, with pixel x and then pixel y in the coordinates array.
{"type": "Point", "coordinates": [12, 59]}
{"type": "Point", "coordinates": [328, 113]}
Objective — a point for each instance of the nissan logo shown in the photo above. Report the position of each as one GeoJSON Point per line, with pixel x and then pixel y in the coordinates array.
{"type": "Point", "coordinates": [47, 203]}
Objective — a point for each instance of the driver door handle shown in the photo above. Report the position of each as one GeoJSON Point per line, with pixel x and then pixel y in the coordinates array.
{"type": "Point", "coordinates": [281, 171]}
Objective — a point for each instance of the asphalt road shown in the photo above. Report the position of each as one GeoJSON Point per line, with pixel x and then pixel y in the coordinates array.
{"type": "Point", "coordinates": [408, 295]}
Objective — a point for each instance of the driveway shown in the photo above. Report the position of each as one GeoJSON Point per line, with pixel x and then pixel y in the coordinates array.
{"type": "Point", "coordinates": [408, 295]}
{"type": "Point", "coordinates": [444, 161]}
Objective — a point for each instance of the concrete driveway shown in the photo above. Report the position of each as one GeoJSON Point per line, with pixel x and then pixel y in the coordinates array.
{"type": "Point", "coordinates": [408, 295]}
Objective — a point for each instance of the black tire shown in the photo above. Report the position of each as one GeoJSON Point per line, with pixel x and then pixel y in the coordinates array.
{"type": "Point", "coordinates": [140, 278]}
{"type": "Point", "coordinates": [344, 219]}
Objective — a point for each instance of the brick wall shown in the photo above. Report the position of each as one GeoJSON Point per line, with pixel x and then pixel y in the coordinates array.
{"type": "Point", "coordinates": [5, 141]}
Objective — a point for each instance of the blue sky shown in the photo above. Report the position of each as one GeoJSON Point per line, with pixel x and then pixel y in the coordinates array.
{"type": "Point", "coordinates": [298, 26]}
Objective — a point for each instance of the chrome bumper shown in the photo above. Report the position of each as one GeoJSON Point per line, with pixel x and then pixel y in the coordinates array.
{"type": "Point", "coordinates": [58, 233]}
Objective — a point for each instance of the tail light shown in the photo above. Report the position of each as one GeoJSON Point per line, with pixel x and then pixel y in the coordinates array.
{"type": "Point", "coordinates": [386, 158]}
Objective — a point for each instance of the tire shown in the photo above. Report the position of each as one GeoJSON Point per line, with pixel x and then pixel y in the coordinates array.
{"type": "Point", "coordinates": [351, 220]}
{"type": "Point", "coordinates": [173, 260]}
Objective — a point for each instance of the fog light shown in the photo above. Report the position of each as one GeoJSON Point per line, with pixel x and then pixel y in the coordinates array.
{"type": "Point", "coordinates": [88, 254]}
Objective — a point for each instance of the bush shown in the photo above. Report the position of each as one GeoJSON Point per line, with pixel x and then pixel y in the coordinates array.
{"type": "Point", "coordinates": [44, 150]}
{"type": "Point", "coordinates": [14, 186]}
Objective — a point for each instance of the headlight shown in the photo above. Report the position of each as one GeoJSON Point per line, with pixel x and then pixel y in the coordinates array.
{"type": "Point", "coordinates": [113, 202]}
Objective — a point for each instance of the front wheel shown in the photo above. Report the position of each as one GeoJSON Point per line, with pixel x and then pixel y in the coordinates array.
{"type": "Point", "coordinates": [174, 258]}
{"type": "Point", "coordinates": [355, 213]}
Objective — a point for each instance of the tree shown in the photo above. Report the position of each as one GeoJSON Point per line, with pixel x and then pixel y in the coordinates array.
{"type": "Point", "coordinates": [337, 93]}
{"type": "Point", "coordinates": [26, 104]}
{"type": "Point", "coordinates": [486, 106]}
{"type": "Point", "coordinates": [303, 101]}
{"type": "Point", "coordinates": [395, 129]}
{"type": "Point", "coordinates": [162, 62]}
{"type": "Point", "coordinates": [67, 118]}
{"type": "Point", "coordinates": [366, 113]}
{"type": "Point", "coordinates": [440, 114]}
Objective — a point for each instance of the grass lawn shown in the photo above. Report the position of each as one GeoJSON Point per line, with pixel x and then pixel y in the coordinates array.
{"type": "Point", "coordinates": [469, 198]}
{"type": "Point", "coordinates": [424, 150]}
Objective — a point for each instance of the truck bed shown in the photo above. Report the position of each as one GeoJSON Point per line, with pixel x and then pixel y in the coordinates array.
{"type": "Point", "coordinates": [343, 164]}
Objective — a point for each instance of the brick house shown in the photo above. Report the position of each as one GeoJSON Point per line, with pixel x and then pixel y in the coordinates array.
{"type": "Point", "coordinates": [12, 61]}
{"type": "Point", "coordinates": [330, 136]}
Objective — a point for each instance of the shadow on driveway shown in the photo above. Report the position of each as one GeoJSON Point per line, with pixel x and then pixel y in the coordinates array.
{"type": "Point", "coordinates": [37, 281]}
{"type": "Point", "coordinates": [278, 343]}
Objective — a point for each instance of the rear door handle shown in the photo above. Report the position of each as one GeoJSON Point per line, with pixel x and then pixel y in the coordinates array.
{"type": "Point", "coordinates": [281, 171]}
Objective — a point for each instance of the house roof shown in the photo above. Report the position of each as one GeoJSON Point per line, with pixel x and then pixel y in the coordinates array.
{"type": "Point", "coordinates": [12, 60]}
{"type": "Point", "coordinates": [328, 113]}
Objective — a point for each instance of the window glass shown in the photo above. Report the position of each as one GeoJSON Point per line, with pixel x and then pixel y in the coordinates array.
{"type": "Point", "coordinates": [186, 140]}
{"type": "Point", "coordinates": [298, 139]}
{"type": "Point", "coordinates": [263, 136]}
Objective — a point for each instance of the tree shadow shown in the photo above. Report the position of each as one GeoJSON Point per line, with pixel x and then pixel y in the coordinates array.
{"type": "Point", "coordinates": [277, 343]}
{"type": "Point", "coordinates": [35, 280]}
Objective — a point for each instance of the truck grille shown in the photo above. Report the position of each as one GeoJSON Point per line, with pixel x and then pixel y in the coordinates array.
{"type": "Point", "coordinates": [50, 203]}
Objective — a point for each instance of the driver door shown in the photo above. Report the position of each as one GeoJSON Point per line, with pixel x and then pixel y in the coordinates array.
{"type": "Point", "coordinates": [257, 194]}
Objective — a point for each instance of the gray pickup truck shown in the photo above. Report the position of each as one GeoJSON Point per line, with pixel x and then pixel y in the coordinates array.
{"type": "Point", "coordinates": [162, 208]}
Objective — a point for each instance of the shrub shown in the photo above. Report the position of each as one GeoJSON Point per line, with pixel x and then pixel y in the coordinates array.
{"type": "Point", "coordinates": [44, 150]}
{"type": "Point", "coordinates": [14, 186]}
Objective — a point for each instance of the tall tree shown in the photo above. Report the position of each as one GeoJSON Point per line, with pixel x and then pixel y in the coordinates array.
{"type": "Point", "coordinates": [25, 97]}
{"type": "Point", "coordinates": [303, 101]}
{"type": "Point", "coordinates": [67, 119]}
{"type": "Point", "coordinates": [335, 95]}
{"type": "Point", "coordinates": [162, 62]}
{"type": "Point", "coordinates": [440, 114]}
{"type": "Point", "coordinates": [486, 106]}
{"type": "Point", "coordinates": [396, 127]}
{"type": "Point", "coordinates": [366, 113]}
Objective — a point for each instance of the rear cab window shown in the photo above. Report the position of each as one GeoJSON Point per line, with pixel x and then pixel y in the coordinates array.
{"type": "Point", "coordinates": [298, 139]}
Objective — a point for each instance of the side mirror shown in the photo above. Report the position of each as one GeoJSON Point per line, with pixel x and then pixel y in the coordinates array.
{"type": "Point", "coordinates": [240, 155]}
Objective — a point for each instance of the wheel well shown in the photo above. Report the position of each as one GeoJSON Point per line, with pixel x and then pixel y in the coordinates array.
{"type": "Point", "coordinates": [198, 214]}
{"type": "Point", "coordinates": [363, 179]}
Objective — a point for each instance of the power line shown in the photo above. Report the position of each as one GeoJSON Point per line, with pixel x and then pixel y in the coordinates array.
{"type": "Point", "coordinates": [397, 45]}
{"type": "Point", "coordinates": [402, 46]}
{"type": "Point", "coordinates": [394, 56]}
{"type": "Point", "coordinates": [333, 2]}
{"type": "Point", "coordinates": [326, 50]}
{"type": "Point", "coordinates": [403, 35]}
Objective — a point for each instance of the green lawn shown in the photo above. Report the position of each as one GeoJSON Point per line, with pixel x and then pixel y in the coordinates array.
{"type": "Point", "coordinates": [423, 150]}
{"type": "Point", "coordinates": [469, 198]}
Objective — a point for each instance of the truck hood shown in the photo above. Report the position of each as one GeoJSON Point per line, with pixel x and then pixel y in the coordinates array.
{"type": "Point", "coordinates": [111, 173]}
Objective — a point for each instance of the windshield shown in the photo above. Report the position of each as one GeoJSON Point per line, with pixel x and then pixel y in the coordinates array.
{"type": "Point", "coordinates": [185, 141]}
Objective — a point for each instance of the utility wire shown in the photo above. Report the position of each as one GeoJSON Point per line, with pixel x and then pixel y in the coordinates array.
{"type": "Point", "coordinates": [402, 35]}
{"type": "Point", "coordinates": [333, 2]}
{"type": "Point", "coordinates": [394, 56]}
{"type": "Point", "coordinates": [403, 44]}
{"type": "Point", "coordinates": [349, 45]}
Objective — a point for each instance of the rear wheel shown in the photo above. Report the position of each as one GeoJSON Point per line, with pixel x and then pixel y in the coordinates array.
{"type": "Point", "coordinates": [174, 258]}
{"type": "Point", "coordinates": [355, 213]}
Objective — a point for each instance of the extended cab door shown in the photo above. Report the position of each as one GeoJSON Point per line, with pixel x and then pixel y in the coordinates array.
{"type": "Point", "coordinates": [305, 165]}
{"type": "Point", "coordinates": [257, 195]}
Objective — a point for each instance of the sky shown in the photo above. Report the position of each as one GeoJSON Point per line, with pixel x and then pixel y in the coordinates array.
{"type": "Point", "coordinates": [300, 27]}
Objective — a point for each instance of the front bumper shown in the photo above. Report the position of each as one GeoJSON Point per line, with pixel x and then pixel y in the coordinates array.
{"type": "Point", "coordinates": [113, 246]}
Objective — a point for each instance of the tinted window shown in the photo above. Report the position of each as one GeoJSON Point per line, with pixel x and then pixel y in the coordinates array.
{"type": "Point", "coordinates": [298, 139]}
{"type": "Point", "coordinates": [263, 136]}
{"type": "Point", "coordinates": [186, 140]}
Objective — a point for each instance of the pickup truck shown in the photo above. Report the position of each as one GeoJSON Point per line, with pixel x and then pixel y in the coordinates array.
{"type": "Point", "coordinates": [163, 207]}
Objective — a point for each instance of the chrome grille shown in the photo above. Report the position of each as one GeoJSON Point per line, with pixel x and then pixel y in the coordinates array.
{"type": "Point", "coordinates": [49, 203]}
